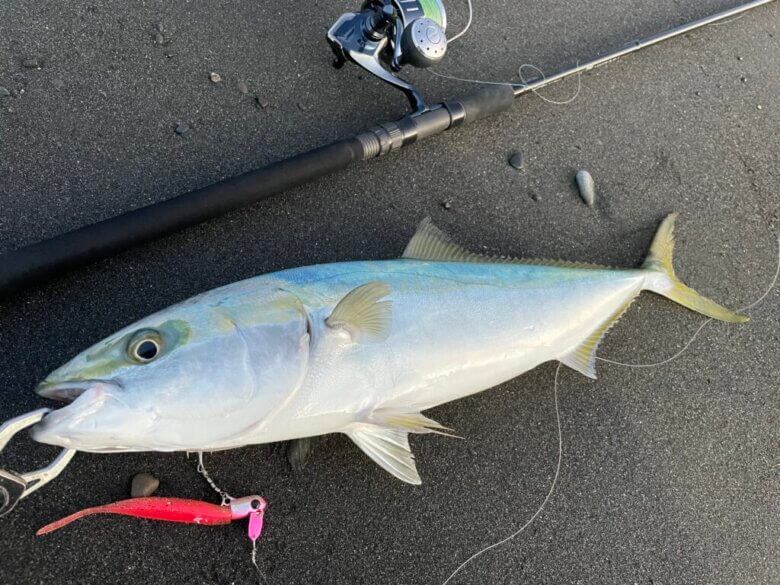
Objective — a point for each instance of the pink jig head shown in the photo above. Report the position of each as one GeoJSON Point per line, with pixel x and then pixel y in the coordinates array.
{"type": "Point", "coordinates": [253, 507]}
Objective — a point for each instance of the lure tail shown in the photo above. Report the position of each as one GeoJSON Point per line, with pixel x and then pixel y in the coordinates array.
{"type": "Point", "coordinates": [666, 283]}
{"type": "Point", "coordinates": [166, 509]}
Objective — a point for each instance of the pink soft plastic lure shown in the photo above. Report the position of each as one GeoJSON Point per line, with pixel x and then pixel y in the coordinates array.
{"type": "Point", "coordinates": [178, 510]}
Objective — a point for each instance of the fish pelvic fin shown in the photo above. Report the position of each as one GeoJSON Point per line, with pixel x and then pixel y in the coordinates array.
{"type": "Point", "coordinates": [666, 283]}
{"type": "Point", "coordinates": [389, 448]}
{"type": "Point", "coordinates": [384, 437]}
{"type": "Point", "coordinates": [363, 313]}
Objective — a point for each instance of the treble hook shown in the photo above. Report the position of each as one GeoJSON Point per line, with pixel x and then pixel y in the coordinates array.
{"type": "Point", "coordinates": [16, 486]}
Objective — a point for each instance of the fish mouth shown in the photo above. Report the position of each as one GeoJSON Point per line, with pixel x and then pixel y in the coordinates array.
{"type": "Point", "coordinates": [68, 426]}
{"type": "Point", "coordinates": [66, 391]}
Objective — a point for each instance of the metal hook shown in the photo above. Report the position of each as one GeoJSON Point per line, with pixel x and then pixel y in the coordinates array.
{"type": "Point", "coordinates": [15, 486]}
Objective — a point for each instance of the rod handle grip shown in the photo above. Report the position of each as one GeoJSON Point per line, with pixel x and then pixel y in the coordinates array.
{"type": "Point", "coordinates": [486, 101]}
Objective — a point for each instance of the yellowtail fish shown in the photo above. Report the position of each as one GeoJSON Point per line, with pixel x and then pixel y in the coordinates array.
{"type": "Point", "coordinates": [361, 348]}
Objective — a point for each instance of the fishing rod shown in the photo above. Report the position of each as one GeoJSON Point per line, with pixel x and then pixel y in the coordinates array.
{"type": "Point", "coordinates": [382, 38]}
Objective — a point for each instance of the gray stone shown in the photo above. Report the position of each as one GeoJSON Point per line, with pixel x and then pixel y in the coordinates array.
{"type": "Point", "coordinates": [31, 63]}
{"type": "Point", "coordinates": [143, 485]}
{"type": "Point", "coordinates": [587, 187]}
{"type": "Point", "coordinates": [517, 160]}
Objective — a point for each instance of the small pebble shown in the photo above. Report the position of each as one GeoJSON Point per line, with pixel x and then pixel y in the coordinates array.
{"type": "Point", "coordinates": [4, 92]}
{"type": "Point", "coordinates": [261, 103]}
{"type": "Point", "coordinates": [536, 197]}
{"type": "Point", "coordinates": [739, 58]}
{"type": "Point", "coordinates": [182, 129]}
{"type": "Point", "coordinates": [143, 485]}
{"type": "Point", "coordinates": [159, 27]}
{"type": "Point", "coordinates": [743, 79]}
{"type": "Point", "coordinates": [58, 83]}
{"type": "Point", "coordinates": [159, 39]}
{"type": "Point", "coordinates": [517, 160]}
{"type": "Point", "coordinates": [302, 107]}
{"type": "Point", "coordinates": [759, 107]}
{"type": "Point", "coordinates": [215, 77]}
{"type": "Point", "coordinates": [446, 204]}
{"type": "Point", "coordinates": [586, 187]}
{"type": "Point", "coordinates": [242, 87]}
{"type": "Point", "coordinates": [31, 63]}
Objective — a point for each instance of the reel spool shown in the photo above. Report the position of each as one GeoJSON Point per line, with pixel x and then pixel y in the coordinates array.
{"type": "Point", "coordinates": [388, 34]}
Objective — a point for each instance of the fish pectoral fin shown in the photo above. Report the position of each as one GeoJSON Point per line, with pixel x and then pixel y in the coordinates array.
{"type": "Point", "coordinates": [583, 357]}
{"type": "Point", "coordinates": [388, 447]}
{"type": "Point", "coordinates": [363, 313]}
{"type": "Point", "coordinates": [384, 436]}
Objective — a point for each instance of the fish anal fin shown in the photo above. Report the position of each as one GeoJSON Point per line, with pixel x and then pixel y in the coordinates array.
{"type": "Point", "coordinates": [363, 314]}
{"type": "Point", "coordinates": [430, 243]}
{"type": "Point", "coordinates": [583, 357]}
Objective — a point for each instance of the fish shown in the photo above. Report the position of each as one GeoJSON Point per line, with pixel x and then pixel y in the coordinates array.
{"type": "Point", "coordinates": [360, 348]}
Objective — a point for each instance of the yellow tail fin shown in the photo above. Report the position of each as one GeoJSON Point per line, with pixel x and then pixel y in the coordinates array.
{"type": "Point", "coordinates": [659, 260]}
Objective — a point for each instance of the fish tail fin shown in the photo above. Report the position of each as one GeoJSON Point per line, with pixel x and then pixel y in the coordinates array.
{"type": "Point", "coordinates": [666, 283]}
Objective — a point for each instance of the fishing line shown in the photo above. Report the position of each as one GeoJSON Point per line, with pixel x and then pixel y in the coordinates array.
{"type": "Point", "coordinates": [755, 303]}
{"type": "Point", "coordinates": [465, 28]}
{"type": "Point", "coordinates": [546, 499]}
{"type": "Point", "coordinates": [523, 80]}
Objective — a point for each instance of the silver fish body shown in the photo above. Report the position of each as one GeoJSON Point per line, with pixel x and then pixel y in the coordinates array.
{"type": "Point", "coordinates": [356, 347]}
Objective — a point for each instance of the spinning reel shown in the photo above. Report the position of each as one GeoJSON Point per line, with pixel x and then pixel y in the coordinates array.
{"type": "Point", "coordinates": [388, 34]}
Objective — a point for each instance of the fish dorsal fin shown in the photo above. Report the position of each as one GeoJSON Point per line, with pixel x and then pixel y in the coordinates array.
{"type": "Point", "coordinates": [384, 437]}
{"type": "Point", "coordinates": [363, 314]}
{"type": "Point", "coordinates": [430, 243]}
{"type": "Point", "coordinates": [583, 357]}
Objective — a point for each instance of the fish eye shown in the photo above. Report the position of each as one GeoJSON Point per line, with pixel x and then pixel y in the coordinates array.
{"type": "Point", "coordinates": [144, 346]}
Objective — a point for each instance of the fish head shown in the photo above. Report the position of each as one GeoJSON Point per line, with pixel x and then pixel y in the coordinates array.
{"type": "Point", "coordinates": [197, 376]}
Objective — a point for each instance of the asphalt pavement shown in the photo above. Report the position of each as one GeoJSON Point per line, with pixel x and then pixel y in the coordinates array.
{"type": "Point", "coordinates": [669, 475]}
